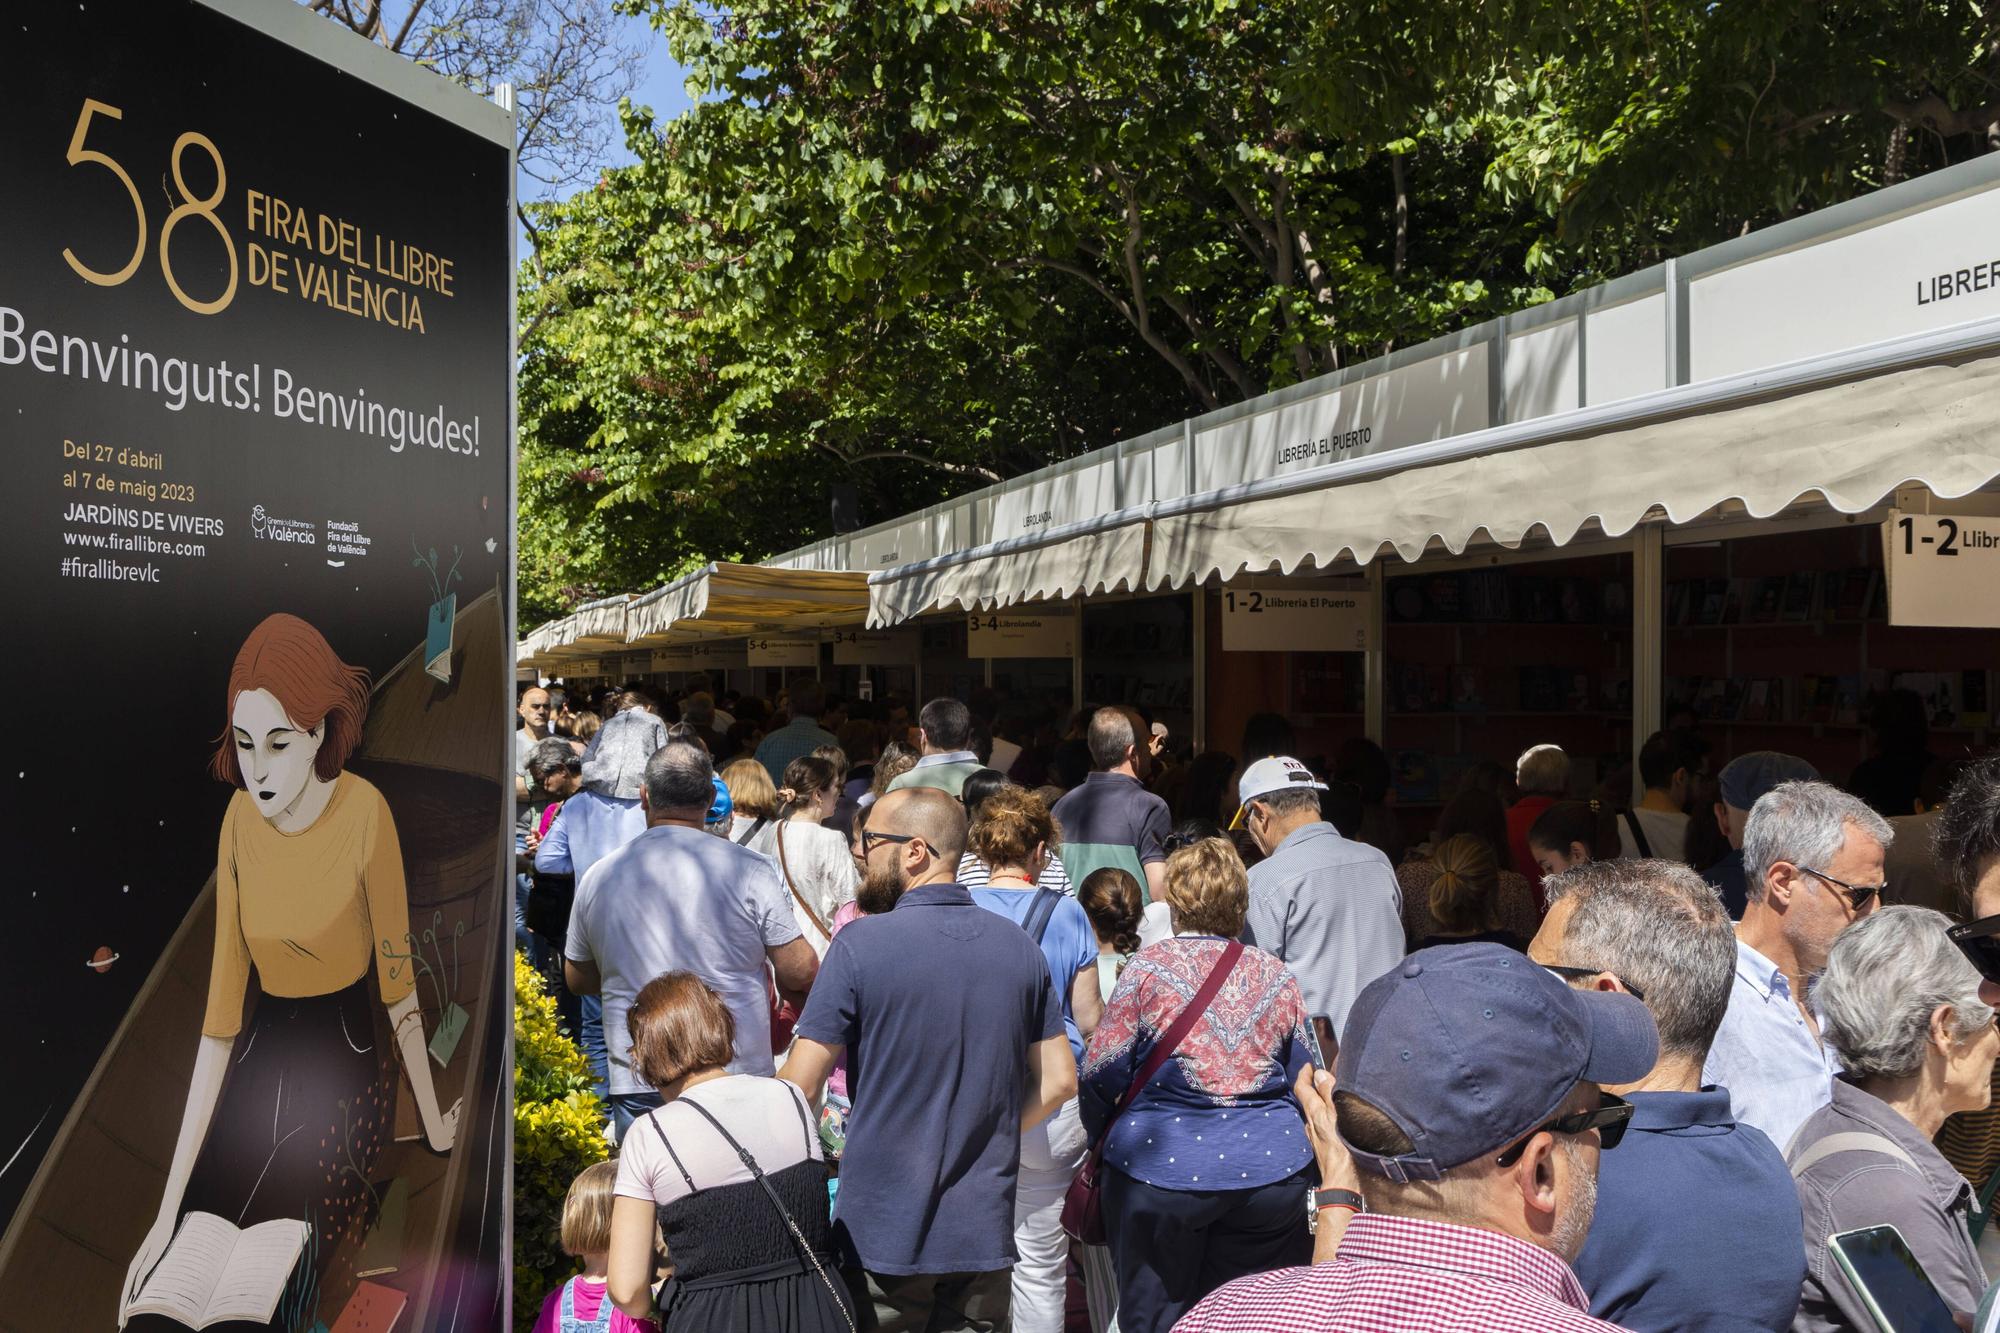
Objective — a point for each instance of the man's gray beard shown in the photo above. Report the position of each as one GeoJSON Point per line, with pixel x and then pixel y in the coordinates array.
{"type": "Point", "coordinates": [879, 891]}
{"type": "Point", "coordinates": [1574, 1225]}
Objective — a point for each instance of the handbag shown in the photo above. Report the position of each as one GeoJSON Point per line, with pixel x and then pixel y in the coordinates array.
{"type": "Point", "coordinates": [1083, 1205]}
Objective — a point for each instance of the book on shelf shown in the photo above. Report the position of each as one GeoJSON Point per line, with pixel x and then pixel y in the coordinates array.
{"type": "Point", "coordinates": [1576, 601]}
{"type": "Point", "coordinates": [1734, 594]}
{"type": "Point", "coordinates": [214, 1272]}
{"type": "Point", "coordinates": [1714, 593]}
{"type": "Point", "coordinates": [1414, 775]}
{"type": "Point", "coordinates": [1973, 709]}
{"type": "Point", "coordinates": [1801, 591]}
{"type": "Point", "coordinates": [1534, 600]}
{"type": "Point", "coordinates": [1542, 688]}
{"type": "Point", "coordinates": [1766, 601]}
{"type": "Point", "coordinates": [1468, 689]}
{"type": "Point", "coordinates": [1443, 597]}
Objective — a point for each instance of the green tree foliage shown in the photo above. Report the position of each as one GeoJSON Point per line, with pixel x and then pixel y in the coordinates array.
{"type": "Point", "coordinates": [917, 245]}
{"type": "Point", "coordinates": [1645, 130]}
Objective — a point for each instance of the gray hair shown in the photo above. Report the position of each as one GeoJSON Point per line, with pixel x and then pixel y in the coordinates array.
{"type": "Point", "coordinates": [1111, 735]}
{"type": "Point", "coordinates": [679, 776]}
{"type": "Point", "coordinates": [1806, 824]}
{"type": "Point", "coordinates": [1887, 974]}
{"type": "Point", "coordinates": [1289, 800]}
{"type": "Point", "coordinates": [1657, 926]}
{"type": "Point", "coordinates": [1542, 770]}
{"type": "Point", "coordinates": [550, 755]}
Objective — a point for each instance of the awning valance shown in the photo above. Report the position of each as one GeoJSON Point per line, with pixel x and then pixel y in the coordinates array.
{"type": "Point", "coordinates": [1923, 411]}
{"type": "Point", "coordinates": [1106, 556]}
{"type": "Point", "coordinates": [725, 599]}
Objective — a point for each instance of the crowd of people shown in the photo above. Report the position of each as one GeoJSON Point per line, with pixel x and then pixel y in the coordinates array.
{"type": "Point", "coordinates": [940, 1019]}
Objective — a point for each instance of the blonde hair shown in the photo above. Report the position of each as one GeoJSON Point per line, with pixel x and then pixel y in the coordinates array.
{"type": "Point", "coordinates": [586, 726]}
{"type": "Point", "coordinates": [750, 789]}
{"type": "Point", "coordinates": [586, 1214]}
{"type": "Point", "coordinates": [1008, 825]}
{"type": "Point", "coordinates": [1208, 888]}
{"type": "Point", "coordinates": [1464, 895]}
{"type": "Point", "coordinates": [893, 763]}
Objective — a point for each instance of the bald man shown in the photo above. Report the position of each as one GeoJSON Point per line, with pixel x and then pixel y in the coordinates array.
{"type": "Point", "coordinates": [932, 994]}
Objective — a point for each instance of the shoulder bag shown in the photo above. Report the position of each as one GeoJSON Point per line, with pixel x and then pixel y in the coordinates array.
{"type": "Point", "coordinates": [751, 832]}
{"type": "Point", "coordinates": [1083, 1206]}
{"type": "Point", "coordinates": [784, 868]}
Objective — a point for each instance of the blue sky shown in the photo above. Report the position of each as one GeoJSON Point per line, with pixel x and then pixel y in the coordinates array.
{"type": "Point", "coordinates": [659, 86]}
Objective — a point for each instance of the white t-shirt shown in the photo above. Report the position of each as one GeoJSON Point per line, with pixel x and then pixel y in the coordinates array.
{"type": "Point", "coordinates": [974, 873]}
{"type": "Point", "coordinates": [1666, 833]}
{"type": "Point", "coordinates": [822, 869]}
{"type": "Point", "coordinates": [768, 1116]}
{"type": "Point", "coordinates": [680, 900]}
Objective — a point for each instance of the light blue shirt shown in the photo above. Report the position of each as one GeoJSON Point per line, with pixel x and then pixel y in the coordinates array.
{"type": "Point", "coordinates": [1332, 909]}
{"type": "Point", "coordinates": [795, 740]}
{"type": "Point", "coordinates": [588, 828]}
{"type": "Point", "coordinates": [1773, 1065]}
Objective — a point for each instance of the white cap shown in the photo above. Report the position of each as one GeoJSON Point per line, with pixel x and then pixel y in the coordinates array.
{"type": "Point", "coordinates": [1276, 774]}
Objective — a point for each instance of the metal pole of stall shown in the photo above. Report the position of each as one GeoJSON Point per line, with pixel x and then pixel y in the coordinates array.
{"type": "Point", "coordinates": [1199, 604]}
{"type": "Point", "coordinates": [1375, 660]}
{"type": "Point", "coordinates": [1648, 562]}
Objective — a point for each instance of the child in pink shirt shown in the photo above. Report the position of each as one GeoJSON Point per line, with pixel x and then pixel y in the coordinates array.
{"type": "Point", "coordinates": [581, 1305]}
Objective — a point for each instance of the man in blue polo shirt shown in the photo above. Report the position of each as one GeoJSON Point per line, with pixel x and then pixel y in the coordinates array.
{"type": "Point", "coordinates": [955, 1044]}
{"type": "Point", "coordinates": [1112, 820]}
{"type": "Point", "coordinates": [1697, 1222]}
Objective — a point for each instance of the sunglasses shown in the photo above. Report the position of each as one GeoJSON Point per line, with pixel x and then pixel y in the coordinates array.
{"type": "Point", "coordinates": [1586, 973]}
{"type": "Point", "coordinates": [1608, 1119]}
{"type": "Point", "coordinates": [1979, 941]}
{"type": "Point", "coordinates": [1857, 895]}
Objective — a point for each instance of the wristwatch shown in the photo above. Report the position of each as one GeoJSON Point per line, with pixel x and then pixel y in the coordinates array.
{"type": "Point", "coordinates": [1323, 1198]}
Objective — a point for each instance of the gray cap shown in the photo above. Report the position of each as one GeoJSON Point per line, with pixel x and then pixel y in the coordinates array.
{"type": "Point", "coordinates": [1748, 776]}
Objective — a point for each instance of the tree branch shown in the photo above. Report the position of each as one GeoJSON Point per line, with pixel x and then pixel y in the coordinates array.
{"type": "Point", "coordinates": [902, 455]}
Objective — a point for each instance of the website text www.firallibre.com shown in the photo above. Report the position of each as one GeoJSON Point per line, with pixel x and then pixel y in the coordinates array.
{"type": "Point", "coordinates": [133, 544]}
{"type": "Point", "coordinates": [109, 571]}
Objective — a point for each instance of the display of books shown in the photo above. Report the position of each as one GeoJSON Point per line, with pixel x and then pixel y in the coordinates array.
{"type": "Point", "coordinates": [214, 1273]}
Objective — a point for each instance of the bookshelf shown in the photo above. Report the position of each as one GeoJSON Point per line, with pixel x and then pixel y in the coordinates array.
{"type": "Point", "coordinates": [1483, 664]}
{"type": "Point", "coordinates": [1781, 642]}
{"type": "Point", "coordinates": [1141, 652]}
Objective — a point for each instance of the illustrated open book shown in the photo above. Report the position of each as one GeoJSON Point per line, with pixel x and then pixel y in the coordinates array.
{"type": "Point", "coordinates": [213, 1273]}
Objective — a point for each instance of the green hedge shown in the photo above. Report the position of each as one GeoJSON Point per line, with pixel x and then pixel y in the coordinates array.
{"type": "Point", "coordinates": [558, 1131]}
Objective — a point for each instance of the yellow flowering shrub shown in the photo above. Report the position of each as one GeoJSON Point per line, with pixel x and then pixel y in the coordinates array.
{"type": "Point", "coordinates": [558, 1131]}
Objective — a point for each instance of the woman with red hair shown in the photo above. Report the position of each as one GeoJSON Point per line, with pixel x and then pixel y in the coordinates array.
{"type": "Point", "coordinates": [291, 1100]}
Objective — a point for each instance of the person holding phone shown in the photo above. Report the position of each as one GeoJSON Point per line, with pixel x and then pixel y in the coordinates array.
{"type": "Point", "coordinates": [1900, 1006]}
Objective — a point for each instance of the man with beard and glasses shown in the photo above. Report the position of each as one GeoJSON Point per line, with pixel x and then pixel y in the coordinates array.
{"type": "Point", "coordinates": [954, 1041]}
{"type": "Point", "coordinates": [1471, 1110]}
{"type": "Point", "coordinates": [1687, 1172]}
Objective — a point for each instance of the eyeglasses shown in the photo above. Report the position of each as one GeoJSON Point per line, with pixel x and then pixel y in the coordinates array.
{"type": "Point", "coordinates": [1979, 941]}
{"type": "Point", "coordinates": [1857, 894]}
{"type": "Point", "coordinates": [869, 837]}
{"type": "Point", "coordinates": [1609, 1120]}
{"type": "Point", "coordinates": [1586, 973]}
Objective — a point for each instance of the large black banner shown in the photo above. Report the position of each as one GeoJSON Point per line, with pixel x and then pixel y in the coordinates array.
{"type": "Point", "coordinates": [255, 426]}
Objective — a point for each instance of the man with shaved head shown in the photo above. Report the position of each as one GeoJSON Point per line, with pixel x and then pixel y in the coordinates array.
{"type": "Point", "coordinates": [954, 1040]}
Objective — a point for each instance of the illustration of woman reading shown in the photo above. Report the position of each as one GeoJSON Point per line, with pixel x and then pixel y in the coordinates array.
{"type": "Point", "coordinates": [290, 1101]}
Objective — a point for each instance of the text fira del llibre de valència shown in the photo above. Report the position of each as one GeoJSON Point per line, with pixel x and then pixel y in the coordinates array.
{"type": "Point", "coordinates": [252, 387]}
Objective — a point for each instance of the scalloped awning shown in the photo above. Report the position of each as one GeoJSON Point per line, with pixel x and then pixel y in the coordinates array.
{"type": "Point", "coordinates": [725, 599]}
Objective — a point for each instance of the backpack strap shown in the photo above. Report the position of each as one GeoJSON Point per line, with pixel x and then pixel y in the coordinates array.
{"type": "Point", "coordinates": [1040, 911]}
{"type": "Point", "coordinates": [1852, 1141]}
{"type": "Point", "coordinates": [1631, 819]}
{"type": "Point", "coordinates": [751, 832]}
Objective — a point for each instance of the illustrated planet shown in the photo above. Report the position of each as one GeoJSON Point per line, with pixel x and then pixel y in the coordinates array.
{"type": "Point", "coordinates": [102, 960]}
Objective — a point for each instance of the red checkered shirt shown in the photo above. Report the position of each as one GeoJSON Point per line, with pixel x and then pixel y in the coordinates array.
{"type": "Point", "coordinates": [1403, 1275]}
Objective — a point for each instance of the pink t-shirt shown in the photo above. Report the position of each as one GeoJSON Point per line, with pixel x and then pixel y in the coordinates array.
{"type": "Point", "coordinates": [589, 1298]}
{"type": "Point", "coordinates": [836, 1082]}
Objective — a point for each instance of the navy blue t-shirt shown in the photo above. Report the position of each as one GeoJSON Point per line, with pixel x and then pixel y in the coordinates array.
{"type": "Point", "coordinates": [1697, 1227]}
{"type": "Point", "coordinates": [937, 1004]}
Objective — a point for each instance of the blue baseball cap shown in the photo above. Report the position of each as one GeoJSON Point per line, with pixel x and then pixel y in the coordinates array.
{"type": "Point", "coordinates": [1748, 776]}
{"type": "Point", "coordinates": [722, 807]}
{"type": "Point", "coordinates": [1470, 1047]}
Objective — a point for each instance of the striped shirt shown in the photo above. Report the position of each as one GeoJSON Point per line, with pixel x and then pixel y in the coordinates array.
{"type": "Point", "coordinates": [1407, 1275]}
{"type": "Point", "coordinates": [974, 873]}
